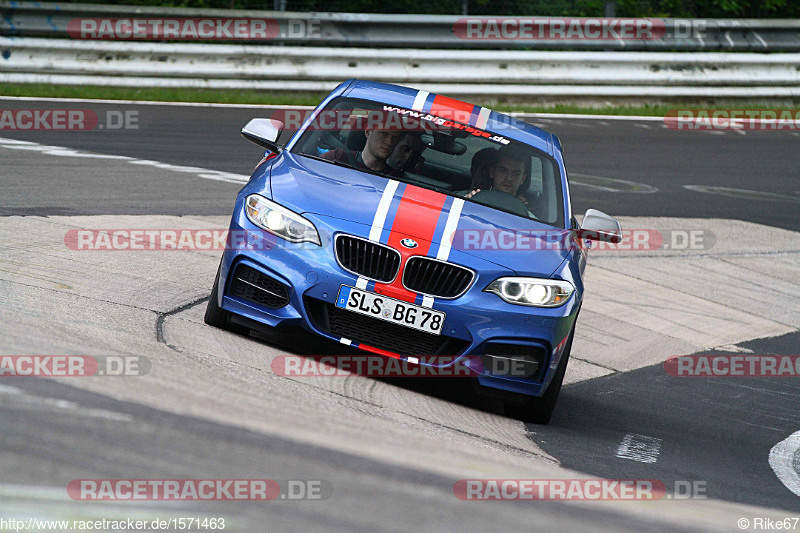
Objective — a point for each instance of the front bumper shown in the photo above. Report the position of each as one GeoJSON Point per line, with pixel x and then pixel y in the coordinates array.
{"type": "Point", "coordinates": [475, 323]}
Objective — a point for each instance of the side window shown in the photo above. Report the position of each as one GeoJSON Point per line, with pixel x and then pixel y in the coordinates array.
{"type": "Point", "coordinates": [536, 175]}
{"type": "Point", "coordinates": [543, 193]}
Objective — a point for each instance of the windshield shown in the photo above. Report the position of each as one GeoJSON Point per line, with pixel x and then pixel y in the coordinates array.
{"type": "Point", "coordinates": [437, 153]}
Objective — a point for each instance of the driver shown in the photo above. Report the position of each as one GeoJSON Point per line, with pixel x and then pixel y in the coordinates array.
{"type": "Point", "coordinates": [379, 146]}
{"type": "Point", "coordinates": [506, 174]}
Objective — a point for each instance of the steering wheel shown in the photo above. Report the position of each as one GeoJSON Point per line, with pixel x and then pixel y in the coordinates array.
{"type": "Point", "coordinates": [537, 204]}
{"type": "Point", "coordinates": [503, 201]}
{"type": "Point", "coordinates": [327, 138]}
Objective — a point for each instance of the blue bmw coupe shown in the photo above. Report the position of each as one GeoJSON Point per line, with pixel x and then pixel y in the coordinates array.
{"type": "Point", "coordinates": [412, 225]}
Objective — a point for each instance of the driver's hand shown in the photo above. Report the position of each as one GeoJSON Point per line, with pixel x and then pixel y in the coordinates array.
{"type": "Point", "coordinates": [472, 193]}
{"type": "Point", "coordinates": [523, 200]}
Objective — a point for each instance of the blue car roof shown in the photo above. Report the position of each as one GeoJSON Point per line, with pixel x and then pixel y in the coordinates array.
{"type": "Point", "coordinates": [482, 118]}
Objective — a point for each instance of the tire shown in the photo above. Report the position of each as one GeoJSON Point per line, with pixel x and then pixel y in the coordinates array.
{"type": "Point", "coordinates": [540, 410]}
{"type": "Point", "coordinates": [218, 317]}
{"type": "Point", "coordinates": [215, 315]}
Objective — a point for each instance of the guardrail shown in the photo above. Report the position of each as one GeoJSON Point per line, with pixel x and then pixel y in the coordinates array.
{"type": "Point", "coordinates": [41, 19]}
{"type": "Point", "coordinates": [507, 73]}
{"type": "Point", "coordinates": [417, 50]}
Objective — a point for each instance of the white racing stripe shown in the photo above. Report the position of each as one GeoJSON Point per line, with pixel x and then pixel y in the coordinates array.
{"type": "Point", "coordinates": [378, 221]}
{"type": "Point", "coordinates": [449, 229]}
{"type": "Point", "coordinates": [419, 101]}
{"type": "Point", "coordinates": [784, 458]}
{"type": "Point", "coordinates": [483, 118]}
{"type": "Point", "coordinates": [383, 209]}
{"type": "Point", "coordinates": [447, 241]}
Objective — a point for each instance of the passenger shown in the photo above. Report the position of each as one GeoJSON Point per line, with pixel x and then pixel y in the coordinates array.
{"type": "Point", "coordinates": [407, 155]}
{"type": "Point", "coordinates": [479, 168]}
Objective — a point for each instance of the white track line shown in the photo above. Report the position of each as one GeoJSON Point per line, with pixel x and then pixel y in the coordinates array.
{"type": "Point", "coordinates": [39, 403]}
{"type": "Point", "coordinates": [216, 175]}
{"type": "Point", "coordinates": [784, 458]}
{"type": "Point", "coordinates": [639, 448]}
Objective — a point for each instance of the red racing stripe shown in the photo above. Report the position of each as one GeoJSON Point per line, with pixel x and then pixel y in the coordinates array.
{"type": "Point", "coordinates": [417, 216]}
{"type": "Point", "coordinates": [452, 109]}
{"type": "Point", "coordinates": [379, 351]}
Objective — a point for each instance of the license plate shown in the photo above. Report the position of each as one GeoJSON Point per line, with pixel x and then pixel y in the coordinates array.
{"type": "Point", "coordinates": [390, 310]}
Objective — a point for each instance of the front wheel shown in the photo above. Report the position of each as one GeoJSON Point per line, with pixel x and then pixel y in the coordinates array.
{"type": "Point", "coordinates": [217, 316]}
{"type": "Point", "coordinates": [540, 410]}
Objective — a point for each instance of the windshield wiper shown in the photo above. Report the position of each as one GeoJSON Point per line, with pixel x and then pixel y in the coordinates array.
{"type": "Point", "coordinates": [367, 170]}
{"type": "Point", "coordinates": [401, 179]}
{"type": "Point", "coordinates": [331, 161]}
{"type": "Point", "coordinates": [346, 165]}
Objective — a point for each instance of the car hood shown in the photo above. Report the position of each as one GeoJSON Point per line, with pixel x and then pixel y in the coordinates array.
{"type": "Point", "coordinates": [527, 247]}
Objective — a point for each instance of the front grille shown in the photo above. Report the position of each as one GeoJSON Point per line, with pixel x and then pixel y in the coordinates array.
{"type": "Point", "coordinates": [379, 333]}
{"type": "Point", "coordinates": [250, 284]}
{"type": "Point", "coordinates": [436, 278]}
{"type": "Point", "coordinates": [366, 258]}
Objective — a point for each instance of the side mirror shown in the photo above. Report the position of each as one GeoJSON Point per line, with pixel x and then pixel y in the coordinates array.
{"type": "Point", "coordinates": [264, 132]}
{"type": "Point", "coordinates": [597, 226]}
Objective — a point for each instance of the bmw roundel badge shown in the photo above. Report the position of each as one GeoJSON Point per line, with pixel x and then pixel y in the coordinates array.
{"type": "Point", "coordinates": [409, 243]}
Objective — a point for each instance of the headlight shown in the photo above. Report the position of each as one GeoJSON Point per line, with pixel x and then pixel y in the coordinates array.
{"type": "Point", "coordinates": [532, 291]}
{"type": "Point", "coordinates": [280, 221]}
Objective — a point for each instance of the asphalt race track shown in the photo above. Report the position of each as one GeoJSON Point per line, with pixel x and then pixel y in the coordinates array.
{"type": "Point", "coordinates": [388, 452]}
{"type": "Point", "coordinates": [639, 151]}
